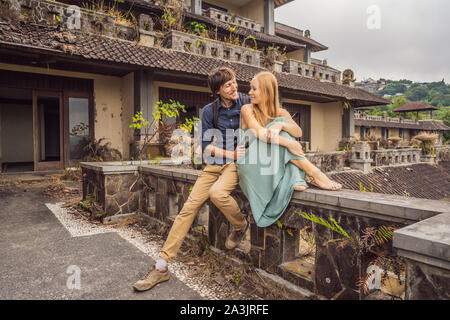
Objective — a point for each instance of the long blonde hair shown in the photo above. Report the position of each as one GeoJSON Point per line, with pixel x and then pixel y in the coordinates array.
{"type": "Point", "coordinates": [269, 107]}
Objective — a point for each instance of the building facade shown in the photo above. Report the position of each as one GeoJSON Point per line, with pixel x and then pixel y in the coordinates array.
{"type": "Point", "coordinates": [71, 73]}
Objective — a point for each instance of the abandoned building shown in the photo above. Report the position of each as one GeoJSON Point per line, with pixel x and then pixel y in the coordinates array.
{"type": "Point", "coordinates": [73, 73]}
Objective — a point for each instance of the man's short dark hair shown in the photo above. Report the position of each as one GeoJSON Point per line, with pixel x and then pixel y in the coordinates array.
{"type": "Point", "coordinates": [219, 77]}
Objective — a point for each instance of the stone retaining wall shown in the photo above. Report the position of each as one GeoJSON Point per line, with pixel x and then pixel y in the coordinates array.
{"type": "Point", "coordinates": [333, 266]}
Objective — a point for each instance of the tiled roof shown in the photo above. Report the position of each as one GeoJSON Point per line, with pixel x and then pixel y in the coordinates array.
{"type": "Point", "coordinates": [415, 106]}
{"type": "Point", "coordinates": [106, 49]}
{"type": "Point", "coordinates": [279, 3]}
{"type": "Point", "coordinates": [433, 125]}
{"type": "Point", "coordinates": [417, 180]}
{"type": "Point", "coordinates": [283, 31]}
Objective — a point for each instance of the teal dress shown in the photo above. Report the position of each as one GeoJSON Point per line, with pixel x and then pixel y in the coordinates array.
{"type": "Point", "coordinates": [267, 177]}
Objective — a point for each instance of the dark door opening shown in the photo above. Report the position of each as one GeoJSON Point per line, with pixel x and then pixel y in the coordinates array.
{"type": "Point", "coordinates": [16, 130]}
{"type": "Point", "coordinates": [47, 109]}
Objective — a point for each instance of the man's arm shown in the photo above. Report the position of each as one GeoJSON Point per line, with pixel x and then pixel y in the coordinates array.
{"type": "Point", "coordinates": [207, 124]}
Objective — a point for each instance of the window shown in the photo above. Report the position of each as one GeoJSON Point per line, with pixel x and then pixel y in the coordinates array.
{"type": "Point", "coordinates": [78, 127]}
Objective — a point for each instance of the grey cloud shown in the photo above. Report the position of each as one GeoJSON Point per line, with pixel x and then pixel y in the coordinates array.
{"type": "Point", "coordinates": [412, 42]}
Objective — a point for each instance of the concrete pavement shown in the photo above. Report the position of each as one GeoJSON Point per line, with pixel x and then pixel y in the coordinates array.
{"type": "Point", "coordinates": [37, 253]}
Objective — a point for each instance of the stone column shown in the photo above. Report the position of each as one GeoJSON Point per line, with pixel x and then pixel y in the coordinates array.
{"type": "Point", "coordinates": [348, 123]}
{"type": "Point", "coordinates": [269, 19]}
{"type": "Point", "coordinates": [361, 157]}
{"type": "Point", "coordinates": [307, 57]}
{"type": "Point", "coordinates": [196, 6]}
{"type": "Point", "coordinates": [144, 95]}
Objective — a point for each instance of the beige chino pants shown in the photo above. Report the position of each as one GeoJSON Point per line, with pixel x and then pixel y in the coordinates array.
{"type": "Point", "coordinates": [214, 182]}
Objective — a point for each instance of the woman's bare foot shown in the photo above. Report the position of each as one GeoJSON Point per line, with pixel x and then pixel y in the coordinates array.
{"type": "Point", "coordinates": [300, 188]}
{"type": "Point", "coordinates": [321, 181]}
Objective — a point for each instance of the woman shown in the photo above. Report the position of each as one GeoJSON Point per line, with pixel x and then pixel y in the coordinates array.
{"type": "Point", "coordinates": [269, 170]}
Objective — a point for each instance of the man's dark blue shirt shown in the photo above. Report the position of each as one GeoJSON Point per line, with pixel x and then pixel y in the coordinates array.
{"type": "Point", "coordinates": [228, 118]}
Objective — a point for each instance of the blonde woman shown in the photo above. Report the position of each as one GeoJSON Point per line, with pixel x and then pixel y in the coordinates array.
{"type": "Point", "coordinates": [273, 164]}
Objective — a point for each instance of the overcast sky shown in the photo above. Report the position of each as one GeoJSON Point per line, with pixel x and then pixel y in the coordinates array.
{"type": "Point", "coordinates": [412, 42]}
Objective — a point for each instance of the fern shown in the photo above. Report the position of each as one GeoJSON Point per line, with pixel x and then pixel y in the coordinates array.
{"type": "Point", "coordinates": [335, 226]}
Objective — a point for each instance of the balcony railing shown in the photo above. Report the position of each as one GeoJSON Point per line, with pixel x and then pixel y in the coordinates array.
{"type": "Point", "coordinates": [191, 43]}
{"type": "Point", "coordinates": [363, 116]}
{"type": "Point", "coordinates": [321, 73]}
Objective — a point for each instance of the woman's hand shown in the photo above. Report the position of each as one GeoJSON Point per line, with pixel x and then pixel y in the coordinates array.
{"type": "Point", "coordinates": [296, 148]}
{"type": "Point", "coordinates": [274, 130]}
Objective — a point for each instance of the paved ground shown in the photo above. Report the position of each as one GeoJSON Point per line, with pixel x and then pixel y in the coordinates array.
{"type": "Point", "coordinates": [36, 252]}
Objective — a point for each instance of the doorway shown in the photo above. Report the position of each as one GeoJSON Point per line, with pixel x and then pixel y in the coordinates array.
{"type": "Point", "coordinates": [16, 130]}
{"type": "Point", "coordinates": [46, 121]}
{"type": "Point", "coordinates": [47, 127]}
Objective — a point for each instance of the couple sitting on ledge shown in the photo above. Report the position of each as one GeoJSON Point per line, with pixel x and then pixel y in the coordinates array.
{"type": "Point", "coordinates": [267, 136]}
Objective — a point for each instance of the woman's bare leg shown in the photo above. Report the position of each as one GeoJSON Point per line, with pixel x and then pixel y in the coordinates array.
{"type": "Point", "coordinates": [320, 179]}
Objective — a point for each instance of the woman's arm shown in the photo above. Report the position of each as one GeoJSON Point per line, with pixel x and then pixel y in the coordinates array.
{"type": "Point", "coordinates": [262, 133]}
{"type": "Point", "coordinates": [291, 126]}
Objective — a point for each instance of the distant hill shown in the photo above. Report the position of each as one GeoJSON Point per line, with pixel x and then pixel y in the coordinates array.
{"type": "Point", "coordinates": [434, 93]}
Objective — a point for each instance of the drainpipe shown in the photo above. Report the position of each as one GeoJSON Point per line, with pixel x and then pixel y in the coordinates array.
{"type": "Point", "coordinates": [269, 18]}
{"type": "Point", "coordinates": [196, 7]}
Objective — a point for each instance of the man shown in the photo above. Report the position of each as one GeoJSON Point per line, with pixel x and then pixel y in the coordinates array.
{"type": "Point", "coordinates": [217, 180]}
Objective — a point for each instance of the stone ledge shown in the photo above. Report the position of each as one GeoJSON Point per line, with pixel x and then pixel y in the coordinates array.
{"type": "Point", "coordinates": [410, 209]}
{"type": "Point", "coordinates": [389, 207]}
{"type": "Point", "coordinates": [116, 167]}
{"type": "Point", "coordinates": [427, 241]}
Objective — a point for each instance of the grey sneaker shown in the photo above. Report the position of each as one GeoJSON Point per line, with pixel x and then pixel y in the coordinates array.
{"type": "Point", "coordinates": [236, 237]}
{"type": "Point", "coordinates": [152, 278]}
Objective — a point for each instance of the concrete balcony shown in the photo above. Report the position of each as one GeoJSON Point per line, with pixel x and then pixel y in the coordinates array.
{"type": "Point", "coordinates": [313, 71]}
{"type": "Point", "coordinates": [191, 43]}
{"type": "Point", "coordinates": [74, 18]}
{"type": "Point", "coordinates": [232, 19]}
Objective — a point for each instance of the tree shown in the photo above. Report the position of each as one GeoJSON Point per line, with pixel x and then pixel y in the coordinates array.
{"type": "Point", "coordinates": [417, 93]}
{"type": "Point", "coordinates": [446, 119]}
{"type": "Point", "coordinates": [393, 88]}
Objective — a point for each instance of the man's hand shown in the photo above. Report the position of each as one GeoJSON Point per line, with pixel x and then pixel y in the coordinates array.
{"type": "Point", "coordinates": [296, 148]}
{"type": "Point", "coordinates": [239, 152]}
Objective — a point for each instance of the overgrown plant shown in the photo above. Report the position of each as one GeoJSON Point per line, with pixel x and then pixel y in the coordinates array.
{"type": "Point", "coordinates": [159, 128]}
{"type": "Point", "coordinates": [96, 150]}
{"type": "Point", "coordinates": [119, 16]}
{"type": "Point", "coordinates": [427, 141]}
{"type": "Point", "coordinates": [250, 37]}
{"type": "Point", "coordinates": [172, 17]}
